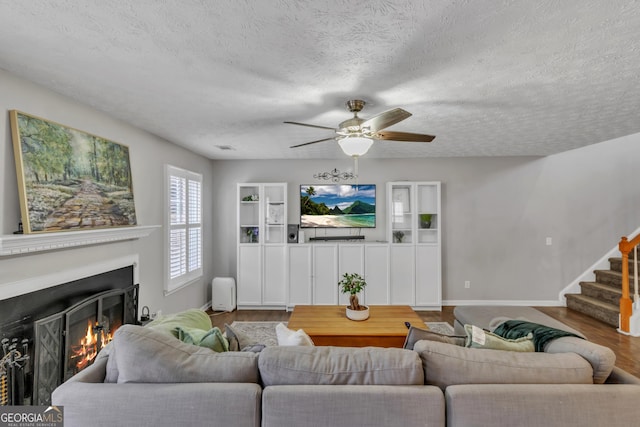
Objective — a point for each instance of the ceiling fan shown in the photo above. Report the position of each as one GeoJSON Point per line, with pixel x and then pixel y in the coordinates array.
{"type": "Point", "coordinates": [355, 136]}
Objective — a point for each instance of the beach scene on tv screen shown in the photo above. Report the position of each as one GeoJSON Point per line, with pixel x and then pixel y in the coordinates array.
{"type": "Point", "coordinates": [348, 206]}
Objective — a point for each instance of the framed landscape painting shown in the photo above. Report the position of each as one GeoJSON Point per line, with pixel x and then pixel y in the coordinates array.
{"type": "Point", "coordinates": [69, 179]}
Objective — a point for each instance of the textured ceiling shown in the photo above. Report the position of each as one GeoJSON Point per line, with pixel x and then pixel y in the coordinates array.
{"type": "Point", "coordinates": [487, 77]}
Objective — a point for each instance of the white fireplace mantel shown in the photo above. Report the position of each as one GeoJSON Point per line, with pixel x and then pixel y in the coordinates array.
{"type": "Point", "coordinates": [23, 244]}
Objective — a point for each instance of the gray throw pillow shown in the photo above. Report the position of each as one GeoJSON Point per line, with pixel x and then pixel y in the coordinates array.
{"type": "Point", "coordinates": [239, 341]}
{"type": "Point", "coordinates": [416, 334]}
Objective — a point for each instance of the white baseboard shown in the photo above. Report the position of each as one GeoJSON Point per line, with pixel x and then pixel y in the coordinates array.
{"type": "Point", "coordinates": [206, 307]}
{"type": "Point", "coordinates": [532, 303]}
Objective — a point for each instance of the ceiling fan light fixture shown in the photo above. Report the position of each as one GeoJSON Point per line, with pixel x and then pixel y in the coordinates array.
{"type": "Point", "coordinates": [355, 145]}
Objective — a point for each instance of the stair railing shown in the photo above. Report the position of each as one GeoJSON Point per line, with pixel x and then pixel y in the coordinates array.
{"type": "Point", "coordinates": [626, 306]}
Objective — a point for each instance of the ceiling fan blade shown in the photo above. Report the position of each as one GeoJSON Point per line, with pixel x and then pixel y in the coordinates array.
{"type": "Point", "coordinates": [311, 126]}
{"type": "Point", "coordinates": [403, 136]}
{"type": "Point", "coordinates": [312, 142]}
{"type": "Point", "coordinates": [386, 119]}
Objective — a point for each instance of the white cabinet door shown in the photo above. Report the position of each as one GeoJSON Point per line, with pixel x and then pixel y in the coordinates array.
{"type": "Point", "coordinates": [428, 276]}
{"type": "Point", "coordinates": [402, 265]}
{"type": "Point", "coordinates": [300, 275]}
{"type": "Point", "coordinates": [325, 274]}
{"type": "Point", "coordinates": [275, 279]}
{"type": "Point", "coordinates": [249, 275]}
{"type": "Point", "coordinates": [376, 273]}
{"type": "Point", "coordinates": [350, 260]}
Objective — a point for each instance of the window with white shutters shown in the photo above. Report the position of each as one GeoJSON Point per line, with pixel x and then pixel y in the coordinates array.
{"type": "Point", "coordinates": [184, 227]}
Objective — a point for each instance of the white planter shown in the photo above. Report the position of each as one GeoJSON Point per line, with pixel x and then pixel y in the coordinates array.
{"type": "Point", "coordinates": [358, 314]}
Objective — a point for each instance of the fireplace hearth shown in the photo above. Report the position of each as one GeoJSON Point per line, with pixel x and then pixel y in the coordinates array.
{"type": "Point", "coordinates": [50, 335]}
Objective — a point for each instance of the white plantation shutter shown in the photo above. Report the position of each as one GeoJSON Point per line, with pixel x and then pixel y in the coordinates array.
{"type": "Point", "coordinates": [184, 227]}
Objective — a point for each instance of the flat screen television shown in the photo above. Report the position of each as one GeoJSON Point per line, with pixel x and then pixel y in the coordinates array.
{"type": "Point", "coordinates": [337, 206]}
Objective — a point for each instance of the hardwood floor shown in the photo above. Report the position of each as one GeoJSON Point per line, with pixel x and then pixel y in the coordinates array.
{"type": "Point", "coordinates": [627, 349]}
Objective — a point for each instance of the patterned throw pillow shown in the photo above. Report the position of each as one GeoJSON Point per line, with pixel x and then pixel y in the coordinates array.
{"type": "Point", "coordinates": [479, 338]}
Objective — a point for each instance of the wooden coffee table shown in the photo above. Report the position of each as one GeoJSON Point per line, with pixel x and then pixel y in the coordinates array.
{"type": "Point", "coordinates": [328, 325]}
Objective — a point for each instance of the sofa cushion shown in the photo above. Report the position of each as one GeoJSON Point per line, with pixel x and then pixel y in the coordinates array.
{"type": "Point", "coordinates": [479, 338]}
{"type": "Point", "coordinates": [340, 365]}
{"type": "Point", "coordinates": [602, 359]}
{"type": "Point", "coordinates": [192, 318]}
{"type": "Point", "coordinates": [288, 337]}
{"type": "Point", "coordinates": [111, 373]}
{"type": "Point", "coordinates": [446, 364]}
{"type": "Point", "coordinates": [352, 406]}
{"type": "Point", "coordinates": [144, 355]}
{"type": "Point", "coordinates": [416, 334]}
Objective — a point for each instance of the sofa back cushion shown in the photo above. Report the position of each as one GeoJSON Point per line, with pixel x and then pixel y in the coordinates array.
{"type": "Point", "coordinates": [340, 365]}
{"type": "Point", "coordinates": [145, 355]}
{"type": "Point", "coordinates": [602, 358]}
{"type": "Point", "coordinates": [446, 364]}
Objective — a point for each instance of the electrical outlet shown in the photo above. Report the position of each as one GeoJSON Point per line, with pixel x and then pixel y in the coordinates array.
{"type": "Point", "coordinates": [549, 241]}
{"type": "Point", "coordinates": [467, 284]}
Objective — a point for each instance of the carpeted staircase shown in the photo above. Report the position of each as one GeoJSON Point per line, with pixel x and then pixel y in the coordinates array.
{"type": "Point", "coordinates": [601, 299]}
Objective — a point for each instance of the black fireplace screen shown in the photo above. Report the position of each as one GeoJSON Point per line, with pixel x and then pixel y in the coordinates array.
{"type": "Point", "coordinates": [67, 342]}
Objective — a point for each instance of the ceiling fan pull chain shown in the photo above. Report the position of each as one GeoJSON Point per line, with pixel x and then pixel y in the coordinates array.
{"type": "Point", "coordinates": [355, 167]}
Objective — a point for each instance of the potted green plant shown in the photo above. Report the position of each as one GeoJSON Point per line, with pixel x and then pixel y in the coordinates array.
{"type": "Point", "coordinates": [252, 234]}
{"type": "Point", "coordinates": [353, 283]}
{"type": "Point", "coordinates": [398, 236]}
{"type": "Point", "coordinates": [425, 220]}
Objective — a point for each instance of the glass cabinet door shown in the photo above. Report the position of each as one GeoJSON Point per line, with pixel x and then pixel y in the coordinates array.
{"type": "Point", "coordinates": [401, 213]}
{"type": "Point", "coordinates": [275, 228]}
{"type": "Point", "coordinates": [427, 213]}
{"type": "Point", "coordinates": [249, 214]}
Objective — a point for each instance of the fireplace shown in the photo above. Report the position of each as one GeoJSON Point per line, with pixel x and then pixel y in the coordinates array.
{"type": "Point", "coordinates": [51, 334]}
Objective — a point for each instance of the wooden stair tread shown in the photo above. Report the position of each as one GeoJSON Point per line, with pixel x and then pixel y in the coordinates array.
{"type": "Point", "coordinates": [596, 302]}
{"type": "Point", "coordinates": [619, 258]}
{"type": "Point", "coordinates": [609, 272]}
{"type": "Point", "coordinates": [602, 286]}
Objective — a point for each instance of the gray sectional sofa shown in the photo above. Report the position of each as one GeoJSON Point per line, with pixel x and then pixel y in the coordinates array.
{"type": "Point", "coordinates": [147, 377]}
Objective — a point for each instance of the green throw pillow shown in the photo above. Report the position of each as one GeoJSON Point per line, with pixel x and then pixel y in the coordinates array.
{"type": "Point", "coordinates": [478, 338]}
{"type": "Point", "coordinates": [212, 338]}
{"type": "Point", "coordinates": [192, 318]}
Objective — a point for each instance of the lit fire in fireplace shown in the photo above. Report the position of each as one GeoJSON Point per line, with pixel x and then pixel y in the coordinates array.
{"type": "Point", "coordinates": [90, 345]}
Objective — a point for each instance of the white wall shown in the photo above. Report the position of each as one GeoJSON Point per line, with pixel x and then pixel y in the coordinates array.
{"type": "Point", "coordinates": [148, 154]}
{"type": "Point", "coordinates": [497, 213]}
